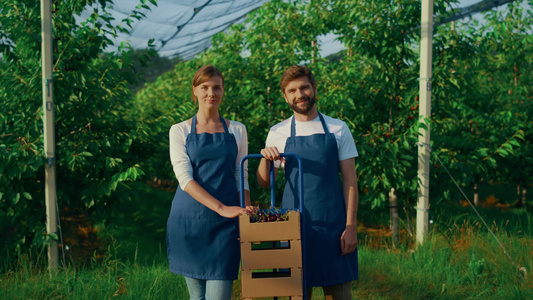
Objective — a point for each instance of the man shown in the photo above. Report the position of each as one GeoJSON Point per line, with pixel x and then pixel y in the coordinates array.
{"type": "Point", "coordinates": [326, 147]}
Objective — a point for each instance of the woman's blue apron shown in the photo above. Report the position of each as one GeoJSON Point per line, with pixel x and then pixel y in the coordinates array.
{"type": "Point", "coordinates": [202, 244]}
{"type": "Point", "coordinates": [324, 208]}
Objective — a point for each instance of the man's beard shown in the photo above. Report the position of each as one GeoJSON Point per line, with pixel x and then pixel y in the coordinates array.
{"type": "Point", "coordinates": [306, 108]}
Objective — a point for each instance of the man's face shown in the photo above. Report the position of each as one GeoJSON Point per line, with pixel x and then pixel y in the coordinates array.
{"type": "Point", "coordinates": [300, 94]}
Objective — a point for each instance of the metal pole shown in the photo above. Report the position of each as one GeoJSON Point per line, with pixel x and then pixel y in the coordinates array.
{"type": "Point", "coordinates": [424, 113]}
{"type": "Point", "coordinates": [49, 130]}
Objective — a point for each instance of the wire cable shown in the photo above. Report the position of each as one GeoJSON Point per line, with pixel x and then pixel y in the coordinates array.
{"type": "Point", "coordinates": [522, 270]}
{"type": "Point", "coordinates": [60, 235]}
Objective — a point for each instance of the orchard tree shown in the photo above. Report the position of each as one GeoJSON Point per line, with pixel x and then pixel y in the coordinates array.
{"type": "Point", "coordinates": [479, 133]}
{"type": "Point", "coordinates": [93, 139]}
{"type": "Point", "coordinates": [373, 87]}
{"type": "Point", "coordinates": [509, 77]}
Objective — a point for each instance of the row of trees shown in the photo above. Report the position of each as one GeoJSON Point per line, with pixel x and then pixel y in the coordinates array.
{"type": "Point", "coordinates": [95, 138]}
{"type": "Point", "coordinates": [481, 88]}
{"type": "Point", "coordinates": [106, 136]}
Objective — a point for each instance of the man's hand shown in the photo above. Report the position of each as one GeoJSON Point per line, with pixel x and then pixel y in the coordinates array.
{"type": "Point", "coordinates": [272, 153]}
{"type": "Point", "coordinates": [349, 239]}
{"type": "Point", "coordinates": [263, 171]}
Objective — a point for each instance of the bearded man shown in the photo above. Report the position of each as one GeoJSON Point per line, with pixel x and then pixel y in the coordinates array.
{"type": "Point", "coordinates": [327, 148]}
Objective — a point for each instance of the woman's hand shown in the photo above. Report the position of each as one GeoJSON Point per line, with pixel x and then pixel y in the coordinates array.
{"type": "Point", "coordinates": [252, 209]}
{"type": "Point", "coordinates": [232, 211]}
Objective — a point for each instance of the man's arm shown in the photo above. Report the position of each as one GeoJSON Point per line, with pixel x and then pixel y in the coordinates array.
{"type": "Point", "coordinates": [351, 201]}
{"type": "Point", "coordinates": [263, 171]}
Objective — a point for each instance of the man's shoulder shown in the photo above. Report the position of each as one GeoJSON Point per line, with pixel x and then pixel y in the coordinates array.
{"type": "Point", "coordinates": [335, 125]}
{"type": "Point", "coordinates": [280, 127]}
{"type": "Point", "coordinates": [333, 121]}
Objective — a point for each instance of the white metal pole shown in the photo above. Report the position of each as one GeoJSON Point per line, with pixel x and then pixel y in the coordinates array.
{"type": "Point", "coordinates": [49, 129]}
{"type": "Point", "coordinates": [426, 43]}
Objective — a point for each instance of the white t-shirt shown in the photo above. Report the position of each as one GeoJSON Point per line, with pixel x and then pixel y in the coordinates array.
{"type": "Point", "coordinates": [278, 134]}
{"type": "Point", "coordinates": [181, 162]}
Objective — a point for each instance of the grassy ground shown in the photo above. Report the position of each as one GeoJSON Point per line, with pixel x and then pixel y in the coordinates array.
{"type": "Point", "coordinates": [459, 260]}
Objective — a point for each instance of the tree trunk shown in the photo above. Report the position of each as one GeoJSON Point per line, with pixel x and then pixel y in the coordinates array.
{"type": "Point", "coordinates": [408, 217]}
{"type": "Point", "coordinates": [521, 193]}
{"type": "Point", "coordinates": [476, 195]}
{"type": "Point", "coordinates": [393, 202]}
{"type": "Point", "coordinates": [524, 192]}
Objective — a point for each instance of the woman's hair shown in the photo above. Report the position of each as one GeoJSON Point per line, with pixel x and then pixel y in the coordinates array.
{"type": "Point", "coordinates": [296, 72]}
{"type": "Point", "coordinates": [204, 74]}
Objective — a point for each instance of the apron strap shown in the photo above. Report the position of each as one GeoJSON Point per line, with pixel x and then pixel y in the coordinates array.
{"type": "Point", "coordinates": [326, 129]}
{"type": "Point", "coordinates": [193, 125]}
{"type": "Point", "coordinates": [293, 125]}
{"type": "Point", "coordinates": [224, 124]}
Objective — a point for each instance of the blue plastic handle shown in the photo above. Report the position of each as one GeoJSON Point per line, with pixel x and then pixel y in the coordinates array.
{"type": "Point", "coordinates": [272, 179]}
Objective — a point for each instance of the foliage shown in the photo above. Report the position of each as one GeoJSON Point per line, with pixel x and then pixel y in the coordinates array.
{"type": "Point", "coordinates": [148, 65]}
{"type": "Point", "coordinates": [110, 278]}
{"type": "Point", "coordinates": [458, 260]}
{"type": "Point", "coordinates": [463, 264]}
{"type": "Point", "coordinates": [481, 98]}
{"type": "Point", "coordinates": [373, 87]}
{"type": "Point", "coordinates": [483, 132]}
{"type": "Point", "coordinates": [93, 138]}
{"type": "Point", "coordinates": [434, 271]}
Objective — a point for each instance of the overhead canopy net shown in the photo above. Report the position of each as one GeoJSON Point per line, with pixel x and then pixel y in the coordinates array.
{"type": "Point", "coordinates": [183, 28]}
{"type": "Point", "coordinates": [180, 27]}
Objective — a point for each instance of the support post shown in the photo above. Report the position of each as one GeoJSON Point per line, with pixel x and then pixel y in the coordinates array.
{"type": "Point", "coordinates": [426, 42]}
{"type": "Point", "coordinates": [49, 130]}
{"type": "Point", "coordinates": [394, 218]}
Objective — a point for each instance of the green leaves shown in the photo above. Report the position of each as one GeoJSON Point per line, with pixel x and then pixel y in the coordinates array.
{"type": "Point", "coordinates": [91, 101]}
{"type": "Point", "coordinates": [106, 137]}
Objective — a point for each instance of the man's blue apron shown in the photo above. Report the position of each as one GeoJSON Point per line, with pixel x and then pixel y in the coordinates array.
{"type": "Point", "coordinates": [324, 207]}
{"type": "Point", "coordinates": [200, 243]}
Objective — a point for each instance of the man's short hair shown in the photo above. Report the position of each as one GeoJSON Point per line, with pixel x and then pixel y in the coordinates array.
{"type": "Point", "coordinates": [296, 72]}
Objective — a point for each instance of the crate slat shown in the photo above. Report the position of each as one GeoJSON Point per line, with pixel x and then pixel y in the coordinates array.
{"type": "Point", "coordinates": [273, 286]}
{"type": "Point", "coordinates": [270, 231]}
{"type": "Point", "coordinates": [271, 258]}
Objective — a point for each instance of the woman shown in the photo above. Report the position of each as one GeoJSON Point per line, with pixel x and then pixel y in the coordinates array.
{"type": "Point", "coordinates": [202, 232]}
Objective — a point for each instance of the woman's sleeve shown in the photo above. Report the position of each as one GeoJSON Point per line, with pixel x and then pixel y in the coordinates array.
{"type": "Point", "coordinates": [242, 144]}
{"type": "Point", "coordinates": [181, 164]}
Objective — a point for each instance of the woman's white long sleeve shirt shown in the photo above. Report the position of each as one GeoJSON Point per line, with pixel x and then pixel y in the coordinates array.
{"type": "Point", "coordinates": [181, 162]}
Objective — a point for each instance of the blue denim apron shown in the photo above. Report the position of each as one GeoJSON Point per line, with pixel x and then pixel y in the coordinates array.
{"type": "Point", "coordinates": [202, 244]}
{"type": "Point", "coordinates": [324, 209]}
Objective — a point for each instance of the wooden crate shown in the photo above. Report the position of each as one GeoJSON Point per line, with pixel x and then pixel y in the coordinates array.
{"type": "Point", "coordinates": [272, 271]}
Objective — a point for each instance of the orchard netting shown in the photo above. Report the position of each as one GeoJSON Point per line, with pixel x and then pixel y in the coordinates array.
{"type": "Point", "coordinates": [179, 27]}
{"type": "Point", "coordinates": [183, 28]}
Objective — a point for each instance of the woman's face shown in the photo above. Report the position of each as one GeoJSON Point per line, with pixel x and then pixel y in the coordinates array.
{"type": "Point", "coordinates": [209, 93]}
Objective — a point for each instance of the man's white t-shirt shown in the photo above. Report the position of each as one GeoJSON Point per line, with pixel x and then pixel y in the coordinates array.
{"type": "Point", "coordinates": [278, 134]}
{"type": "Point", "coordinates": [181, 162]}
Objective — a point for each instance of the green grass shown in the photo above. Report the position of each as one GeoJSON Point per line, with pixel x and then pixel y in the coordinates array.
{"type": "Point", "coordinates": [459, 260]}
{"type": "Point", "coordinates": [472, 267]}
{"type": "Point", "coordinates": [112, 278]}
